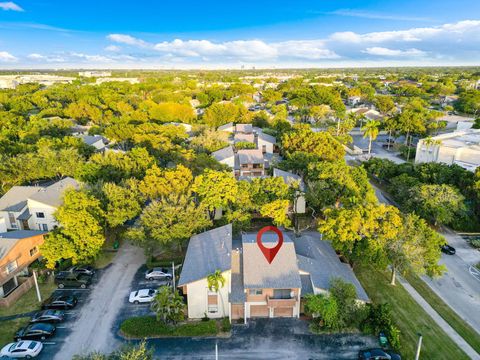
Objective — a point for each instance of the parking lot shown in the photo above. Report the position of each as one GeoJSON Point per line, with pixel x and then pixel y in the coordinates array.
{"type": "Point", "coordinates": [65, 328]}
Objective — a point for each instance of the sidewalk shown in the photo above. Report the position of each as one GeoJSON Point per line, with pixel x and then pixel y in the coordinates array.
{"type": "Point", "coordinates": [439, 320]}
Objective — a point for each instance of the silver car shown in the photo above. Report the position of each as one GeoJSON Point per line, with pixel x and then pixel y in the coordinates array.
{"type": "Point", "coordinates": [158, 274]}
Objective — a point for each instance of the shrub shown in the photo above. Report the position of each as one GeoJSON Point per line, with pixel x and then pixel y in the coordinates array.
{"type": "Point", "coordinates": [245, 145]}
{"type": "Point", "coordinates": [475, 243]}
{"type": "Point", "coordinates": [226, 326]}
{"type": "Point", "coordinates": [380, 319]}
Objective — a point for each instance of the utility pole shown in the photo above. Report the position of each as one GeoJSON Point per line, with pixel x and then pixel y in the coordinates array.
{"type": "Point", "coordinates": [216, 351]}
{"type": "Point", "coordinates": [173, 275]}
{"type": "Point", "coordinates": [39, 296]}
{"type": "Point", "coordinates": [419, 346]}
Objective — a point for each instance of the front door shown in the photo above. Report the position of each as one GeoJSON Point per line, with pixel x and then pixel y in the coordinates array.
{"type": "Point", "coordinates": [25, 225]}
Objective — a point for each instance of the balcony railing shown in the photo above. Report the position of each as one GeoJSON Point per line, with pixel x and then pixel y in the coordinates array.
{"type": "Point", "coordinates": [272, 302]}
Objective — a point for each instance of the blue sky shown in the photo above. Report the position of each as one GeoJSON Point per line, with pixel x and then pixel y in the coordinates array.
{"type": "Point", "coordinates": [217, 34]}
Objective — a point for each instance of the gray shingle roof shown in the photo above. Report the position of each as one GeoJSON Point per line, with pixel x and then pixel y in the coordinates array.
{"type": "Point", "coordinates": [318, 258]}
{"type": "Point", "coordinates": [282, 273]}
{"type": "Point", "coordinates": [15, 199]}
{"type": "Point", "coordinates": [240, 137]}
{"type": "Point", "coordinates": [207, 252]}
{"type": "Point", "coordinates": [250, 156]}
{"type": "Point", "coordinates": [245, 128]}
{"type": "Point", "coordinates": [288, 177]}
{"type": "Point", "coordinates": [224, 153]}
{"type": "Point", "coordinates": [52, 195]}
{"type": "Point", "coordinates": [9, 239]}
{"type": "Point", "coordinates": [92, 139]}
{"type": "Point", "coordinates": [267, 137]}
{"type": "Point", "coordinates": [225, 126]}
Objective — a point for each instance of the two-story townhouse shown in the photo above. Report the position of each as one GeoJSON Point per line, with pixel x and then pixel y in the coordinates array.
{"type": "Point", "coordinates": [207, 252]}
{"type": "Point", "coordinates": [225, 156]}
{"type": "Point", "coordinates": [18, 250]}
{"type": "Point", "coordinates": [249, 163]}
{"type": "Point", "coordinates": [32, 207]}
{"type": "Point", "coordinates": [253, 286]}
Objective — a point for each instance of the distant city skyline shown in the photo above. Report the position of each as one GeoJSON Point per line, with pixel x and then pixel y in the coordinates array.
{"type": "Point", "coordinates": [212, 34]}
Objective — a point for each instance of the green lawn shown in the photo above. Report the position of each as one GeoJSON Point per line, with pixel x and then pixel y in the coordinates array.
{"type": "Point", "coordinates": [409, 317]}
{"type": "Point", "coordinates": [455, 321]}
{"type": "Point", "coordinates": [29, 301]}
{"type": "Point", "coordinates": [148, 326]}
{"type": "Point", "coordinates": [104, 259]}
{"type": "Point", "coordinates": [9, 328]}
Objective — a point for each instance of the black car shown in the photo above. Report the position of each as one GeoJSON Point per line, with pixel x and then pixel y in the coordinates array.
{"type": "Point", "coordinates": [373, 354]}
{"type": "Point", "coordinates": [48, 316]}
{"type": "Point", "coordinates": [39, 331]}
{"type": "Point", "coordinates": [71, 279]}
{"type": "Point", "coordinates": [394, 355]}
{"type": "Point", "coordinates": [82, 269]}
{"type": "Point", "coordinates": [447, 249]}
{"type": "Point", "coordinates": [60, 302]}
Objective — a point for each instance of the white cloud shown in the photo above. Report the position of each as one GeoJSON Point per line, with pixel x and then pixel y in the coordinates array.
{"type": "Point", "coordinates": [381, 51]}
{"type": "Point", "coordinates": [238, 49]}
{"type": "Point", "coordinates": [373, 15]}
{"type": "Point", "coordinates": [49, 58]}
{"type": "Point", "coordinates": [460, 30]}
{"type": "Point", "coordinates": [113, 48]}
{"type": "Point", "coordinates": [7, 57]}
{"type": "Point", "coordinates": [10, 6]}
{"type": "Point", "coordinates": [128, 40]}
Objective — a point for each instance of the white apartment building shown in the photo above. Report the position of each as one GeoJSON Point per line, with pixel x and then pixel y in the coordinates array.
{"type": "Point", "coordinates": [459, 147]}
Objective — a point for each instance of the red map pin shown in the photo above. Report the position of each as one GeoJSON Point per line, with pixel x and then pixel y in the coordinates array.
{"type": "Point", "coordinates": [269, 253]}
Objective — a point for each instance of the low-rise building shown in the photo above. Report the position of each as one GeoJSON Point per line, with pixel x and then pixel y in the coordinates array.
{"type": "Point", "coordinates": [459, 147]}
{"type": "Point", "coordinates": [32, 207]}
{"type": "Point", "coordinates": [253, 286]}
{"type": "Point", "coordinates": [94, 73]}
{"type": "Point", "coordinates": [250, 163]}
{"type": "Point", "coordinates": [97, 141]}
{"type": "Point", "coordinates": [18, 250]}
{"type": "Point", "coordinates": [225, 156]}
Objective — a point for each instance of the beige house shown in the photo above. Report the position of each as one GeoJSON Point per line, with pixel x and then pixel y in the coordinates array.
{"type": "Point", "coordinates": [250, 163]}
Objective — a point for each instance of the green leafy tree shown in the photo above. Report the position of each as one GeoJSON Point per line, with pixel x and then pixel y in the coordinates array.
{"type": "Point", "coordinates": [168, 306]}
{"type": "Point", "coordinates": [324, 309]}
{"type": "Point", "coordinates": [122, 203]}
{"type": "Point", "coordinates": [222, 113]}
{"type": "Point", "coordinates": [80, 233]}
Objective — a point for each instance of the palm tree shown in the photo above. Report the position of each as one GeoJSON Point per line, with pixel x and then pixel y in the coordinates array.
{"type": "Point", "coordinates": [168, 306]}
{"type": "Point", "coordinates": [215, 282]}
{"type": "Point", "coordinates": [370, 130]}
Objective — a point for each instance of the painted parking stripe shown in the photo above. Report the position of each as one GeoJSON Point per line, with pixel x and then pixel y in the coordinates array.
{"type": "Point", "coordinates": [49, 343]}
{"type": "Point", "coordinates": [70, 289]}
{"type": "Point", "coordinates": [474, 272]}
{"type": "Point", "coordinates": [62, 327]}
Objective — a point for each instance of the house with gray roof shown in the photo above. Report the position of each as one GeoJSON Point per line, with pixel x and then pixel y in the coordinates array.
{"type": "Point", "coordinates": [225, 156]}
{"type": "Point", "coordinates": [97, 141]}
{"type": "Point", "coordinates": [32, 207]}
{"type": "Point", "coordinates": [253, 286]}
{"type": "Point", "coordinates": [249, 162]}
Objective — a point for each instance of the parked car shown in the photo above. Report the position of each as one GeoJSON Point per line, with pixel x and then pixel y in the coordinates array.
{"type": "Point", "coordinates": [142, 296]}
{"type": "Point", "coordinates": [158, 274]}
{"type": "Point", "coordinates": [449, 250]}
{"type": "Point", "coordinates": [373, 354]}
{"type": "Point", "coordinates": [63, 302]}
{"type": "Point", "coordinates": [394, 355]}
{"type": "Point", "coordinates": [48, 316]}
{"type": "Point", "coordinates": [39, 331]}
{"type": "Point", "coordinates": [82, 269]}
{"type": "Point", "coordinates": [70, 279]}
{"type": "Point", "coordinates": [22, 350]}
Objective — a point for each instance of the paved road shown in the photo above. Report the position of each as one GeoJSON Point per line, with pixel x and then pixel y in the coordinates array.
{"type": "Point", "coordinates": [92, 330]}
{"type": "Point", "coordinates": [265, 339]}
{"type": "Point", "coordinates": [458, 287]}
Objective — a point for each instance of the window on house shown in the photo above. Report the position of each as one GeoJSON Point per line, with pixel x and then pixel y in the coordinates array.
{"type": "Point", "coordinates": [212, 302]}
{"type": "Point", "coordinates": [255, 292]}
{"type": "Point", "coordinates": [13, 221]}
{"type": "Point", "coordinates": [40, 215]}
{"type": "Point", "coordinates": [43, 227]}
{"type": "Point", "coordinates": [282, 293]}
{"type": "Point", "coordinates": [33, 251]}
{"type": "Point", "coordinates": [11, 267]}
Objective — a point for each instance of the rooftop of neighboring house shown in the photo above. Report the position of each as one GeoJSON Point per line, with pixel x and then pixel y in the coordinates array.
{"type": "Point", "coordinates": [469, 138]}
{"type": "Point", "coordinates": [226, 127]}
{"type": "Point", "coordinates": [266, 137]}
{"type": "Point", "coordinates": [244, 128]}
{"type": "Point", "coordinates": [241, 137]}
{"type": "Point", "coordinates": [9, 239]}
{"type": "Point", "coordinates": [52, 195]}
{"type": "Point", "coordinates": [92, 139]}
{"type": "Point", "coordinates": [224, 153]}
{"type": "Point", "coordinates": [282, 273]}
{"type": "Point", "coordinates": [289, 177]}
{"type": "Point", "coordinates": [250, 156]}
{"type": "Point", "coordinates": [317, 258]}
{"type": "Point", "coordinates": [15, 199]}
{"type": "Point", "coordinates": [206, 253]}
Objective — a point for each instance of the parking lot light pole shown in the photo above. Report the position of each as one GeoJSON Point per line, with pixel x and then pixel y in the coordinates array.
{"type": "Point", "coordinates": [419, 346]}
{"type": "Point", "coordinates": [173, 274]}
{"type": "Point", "coordinates": [39, 295]}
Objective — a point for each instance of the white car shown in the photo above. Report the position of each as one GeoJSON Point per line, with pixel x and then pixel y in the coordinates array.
{"type": "Point", "coordinates": [142, 296]}
{"type": "Point", "coordinates": [22, 349]}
